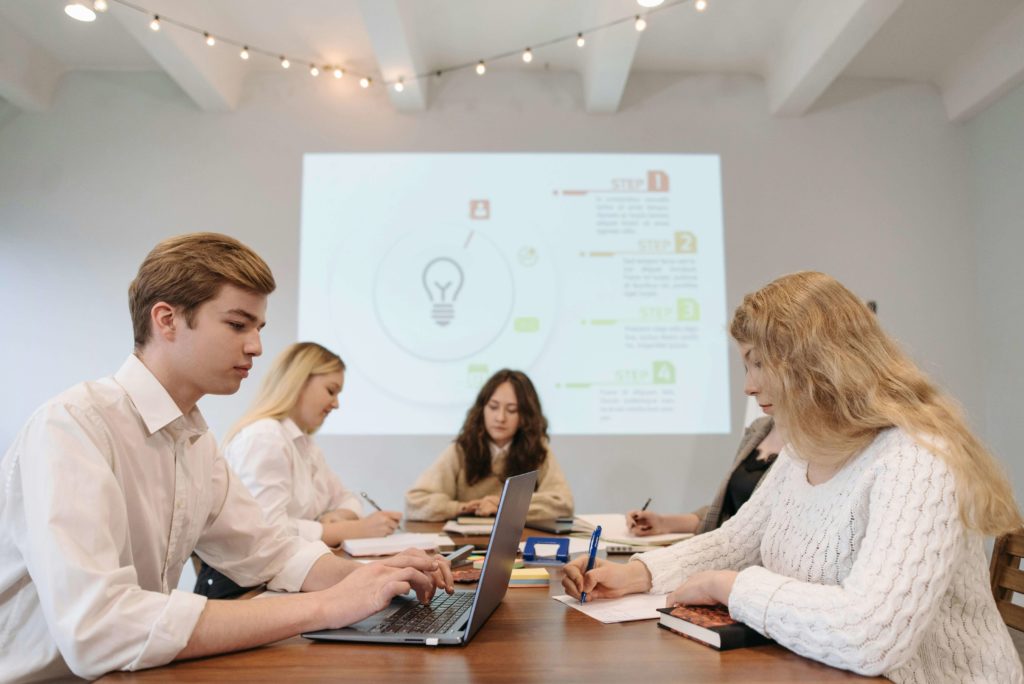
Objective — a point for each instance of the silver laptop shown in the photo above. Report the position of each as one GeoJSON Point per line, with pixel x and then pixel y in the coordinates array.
{"type": "Point", "coordinates": [455, 619]}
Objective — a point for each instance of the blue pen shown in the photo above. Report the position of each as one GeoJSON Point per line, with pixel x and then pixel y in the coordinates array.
{"type": "Point", "coordinates": [594, 538]}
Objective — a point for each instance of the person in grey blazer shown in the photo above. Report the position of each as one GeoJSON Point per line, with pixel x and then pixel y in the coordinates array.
{"type": "Point", "coordinates": [758, 448]}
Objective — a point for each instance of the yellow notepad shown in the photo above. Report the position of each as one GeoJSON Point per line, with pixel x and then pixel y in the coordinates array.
{"type": "Point", "coordinates": [529, 577]}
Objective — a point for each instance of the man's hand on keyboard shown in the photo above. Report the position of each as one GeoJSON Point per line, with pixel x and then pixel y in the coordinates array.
{"type": "Point", "coordinates": [369, 589]}
{"type": "Point", "coordinates": [437, 568]}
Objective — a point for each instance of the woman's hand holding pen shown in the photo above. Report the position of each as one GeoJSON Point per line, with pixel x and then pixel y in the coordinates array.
{"type": "Point", "coordinates": [380, 523]}
{"type": "Point", "coordinates": [643, 523]}
{"type": "Point", "coordinates": [606, 580]}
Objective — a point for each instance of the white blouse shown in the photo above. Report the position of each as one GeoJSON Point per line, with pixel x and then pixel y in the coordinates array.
{"type": "Point", "coordinates": [106, 492]}
{"type": "Point", "coordinates": [286, 472]}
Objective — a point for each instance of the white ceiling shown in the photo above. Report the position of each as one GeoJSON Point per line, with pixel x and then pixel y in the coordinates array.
{"type": "Point", "coordinates": [971, 49]}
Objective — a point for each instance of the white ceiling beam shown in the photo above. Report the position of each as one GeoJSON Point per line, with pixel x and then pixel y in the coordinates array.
{"type": "Point", "coordinates": [390, 28]}
{"type": "Point", "coordinates": [609, 59]}
{"type": "Point", "coordinates": [820, 41]}
{"type": "Point", "coordinates": [28, 73]}
{"type": "Point", "coordinates": [212, 77]}
{"type": "Point", "coordinates": [989, 70]}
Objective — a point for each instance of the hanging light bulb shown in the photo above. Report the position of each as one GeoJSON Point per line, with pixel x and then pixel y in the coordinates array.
{"type": "Point", "coordinates": [400, 86]}
{"type": "Point", "coordinates": [284, 62]}
{"type": "Point", "coordinates": [338, 72]}
{"type": "Point", "coordinates": [79, 12]}
{"type": "Point", "coordinates": [481, 68]}
{"type": "Point", "coordinates": [244, 54]}
{"type": "Point", "coordinates": [527, 55]}
{"type": "Point", "coordinates": [313, 71]}
{"type": "Point", "coordinates": [155, 24]}
{"type": "Point", "coordinates": [210, 40]}
{"type": "Point", "coordinates": [700, 5]}
{"type": "Point", "coordinates": [364, 82]}
{"type": "Point", "coordinates": [580, 40]}
{"type": "Point", "coordinates": [640, 24]}
{"type": "Point", "coordinates": [100, 5]}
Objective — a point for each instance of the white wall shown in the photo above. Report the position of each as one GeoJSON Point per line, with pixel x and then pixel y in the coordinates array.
{"type": "Point", "coordinates": [871, 187]}
{"type": "Point", "coordinates": [996, 139]}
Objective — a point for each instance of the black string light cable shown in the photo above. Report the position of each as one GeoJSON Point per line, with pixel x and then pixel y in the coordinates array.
{"type": "Point", "coordinates": [639, 20]}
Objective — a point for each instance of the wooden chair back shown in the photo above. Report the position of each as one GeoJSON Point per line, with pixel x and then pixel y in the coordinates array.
{"type": "Point", "coordinates": [1007, 577]}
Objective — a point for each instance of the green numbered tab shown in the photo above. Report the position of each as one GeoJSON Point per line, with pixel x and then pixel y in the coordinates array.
{"type": "Point", "coordinates": [476, 375]}
{"type": "Point", "coordinates": [687, 309]}
{"type": "Point", "coordinates": [664, 373]}
{"type": "Point", "coordinates": [528, 324]}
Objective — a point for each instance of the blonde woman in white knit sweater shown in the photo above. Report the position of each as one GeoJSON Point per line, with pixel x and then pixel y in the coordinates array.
{"type": "Point", "coordinates": [863, 548]}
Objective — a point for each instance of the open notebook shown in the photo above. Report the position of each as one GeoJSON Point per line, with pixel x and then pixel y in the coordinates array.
{"type": "Point", "coordinates": [392, 544]}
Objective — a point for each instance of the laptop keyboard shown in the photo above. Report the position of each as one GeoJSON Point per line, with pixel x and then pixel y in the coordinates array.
{"type": "Point", "coordinates": [440, 615]}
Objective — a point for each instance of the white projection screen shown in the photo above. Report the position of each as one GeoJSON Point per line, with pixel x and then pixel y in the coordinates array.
{"type": "Point", "coordinates": [600, 275]}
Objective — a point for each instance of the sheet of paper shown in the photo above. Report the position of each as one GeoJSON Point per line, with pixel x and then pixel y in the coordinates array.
{"type": "Point", "coordinates": [615, 529]}
{"type": "Point", "coordinates": [624, 609]}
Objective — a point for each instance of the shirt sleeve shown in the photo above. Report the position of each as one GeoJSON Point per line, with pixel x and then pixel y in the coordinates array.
{"type": "Point", "coordinates": [874, 620]}
{"type": "Point", "coordinates": [433, 496]}
{"type": "Point", "coordinates": [733, 546]}
{"type": "Point", "coordinates": [238, 541]}
{"type": "Point", "coordinates": [553, 498]}
{"type": "Point", "coordinates": [263, 462]}
{"type": "Point", "coordinates": [77, 552]}
{"type": "Point", "coordinates": [341, 497]}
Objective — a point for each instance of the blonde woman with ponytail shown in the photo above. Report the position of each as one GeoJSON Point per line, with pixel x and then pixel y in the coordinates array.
{"type": "Point", "coordinates": [272, 451]}
{"type": "Point", "coordinates": [864, 549]}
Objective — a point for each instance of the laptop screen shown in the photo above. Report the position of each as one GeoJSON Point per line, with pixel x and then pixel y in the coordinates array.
{"type": "Point", "coordinates": [502, 549]}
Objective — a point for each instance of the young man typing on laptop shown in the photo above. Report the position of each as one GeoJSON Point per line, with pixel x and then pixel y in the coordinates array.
{"type": "Point", "coordinates": [110, 486]}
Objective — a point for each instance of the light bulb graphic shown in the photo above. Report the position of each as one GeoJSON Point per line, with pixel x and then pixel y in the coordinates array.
{"type": "Point", "coordinates": [442, 279]}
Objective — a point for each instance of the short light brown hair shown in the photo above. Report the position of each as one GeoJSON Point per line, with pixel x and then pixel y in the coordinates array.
{"type": "Point", "coordinates": [187, 270]}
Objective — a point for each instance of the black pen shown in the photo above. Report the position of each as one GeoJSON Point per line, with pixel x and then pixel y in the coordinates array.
{"type": "Point", "coordinates": [642, 509]}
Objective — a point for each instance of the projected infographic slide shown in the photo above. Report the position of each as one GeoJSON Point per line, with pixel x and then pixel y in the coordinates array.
{"type": "Point", "coordinates": [599, 275]}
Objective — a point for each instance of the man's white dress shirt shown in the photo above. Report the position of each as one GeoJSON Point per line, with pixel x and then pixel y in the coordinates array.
{"type": "Point", "coordinates": [286, 472]}
{"type": "Point", "coordinates": [106, 492]}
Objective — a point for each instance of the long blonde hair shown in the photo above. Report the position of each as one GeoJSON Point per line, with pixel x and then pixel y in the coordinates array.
{"type": "Point", "coordinates": [840, 380]}
{"type": "Point", "coordinates": [288, 374]}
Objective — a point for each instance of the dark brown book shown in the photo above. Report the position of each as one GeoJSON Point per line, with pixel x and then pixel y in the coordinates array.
{"type": "Point", "coordinates": [710, 625]}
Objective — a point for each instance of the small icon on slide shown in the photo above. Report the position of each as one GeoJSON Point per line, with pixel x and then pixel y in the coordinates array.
{"type": "Point", "coordinates": [527, 256]}
{"type": "Point", "coordinates": [476, 375]}
{"type": "Point", "coordinates": [439, 277]}
{"type": "Point", "coordinates": [479, 209]}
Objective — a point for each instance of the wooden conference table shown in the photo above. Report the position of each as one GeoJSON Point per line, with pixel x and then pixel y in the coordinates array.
{"type": "Point", "coordinates": [529, 638]}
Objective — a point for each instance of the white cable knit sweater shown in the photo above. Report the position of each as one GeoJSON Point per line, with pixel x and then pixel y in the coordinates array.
{"type": "Point", "coordinates": [871, 571]}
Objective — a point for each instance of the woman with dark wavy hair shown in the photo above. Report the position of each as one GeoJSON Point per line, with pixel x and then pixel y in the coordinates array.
{"type": "Point", "coordinates": [505, 434]}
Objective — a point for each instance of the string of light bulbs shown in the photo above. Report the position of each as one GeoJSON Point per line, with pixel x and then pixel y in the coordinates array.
{"type": "Point", "coordinates": [84, 10]}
